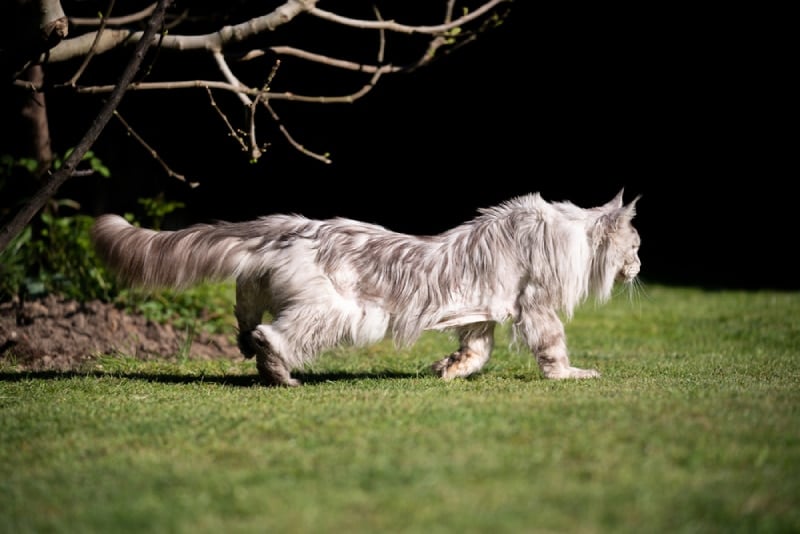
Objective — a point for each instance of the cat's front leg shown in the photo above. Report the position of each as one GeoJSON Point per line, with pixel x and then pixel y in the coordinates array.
{"type": "Point", "coordinates": [476, 343]}
{"type": "Point", "coordinates": [544, 334]}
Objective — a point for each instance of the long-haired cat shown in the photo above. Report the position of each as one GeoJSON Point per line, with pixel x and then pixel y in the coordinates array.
{"type": "Point", "coordinates": [340, 281]}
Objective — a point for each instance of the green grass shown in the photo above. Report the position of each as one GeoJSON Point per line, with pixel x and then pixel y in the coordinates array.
{"type": "Point", "coordinates": [694, 427]}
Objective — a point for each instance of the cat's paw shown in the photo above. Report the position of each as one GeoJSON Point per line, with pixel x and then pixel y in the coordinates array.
{"type": "Point", "coordinates": [441, 367]}
{"type": "Point", "coordinates": [461, 363]}
{"type": "Point", "coordinates": [281, 382]}
{"type": "Point", "coordinates": [584, 373]}
{"type": "Point", "coordinates": [276, 377]}
{"type": "Point", "coordinates": [572, 372]}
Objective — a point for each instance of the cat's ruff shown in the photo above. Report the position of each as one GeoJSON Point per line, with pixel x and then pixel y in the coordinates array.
{"type": "Point", "coordinates": [340, 281]}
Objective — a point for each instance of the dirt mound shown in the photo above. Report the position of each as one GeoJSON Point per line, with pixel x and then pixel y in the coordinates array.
{"type": "Point", "coordinates": [57, 334]}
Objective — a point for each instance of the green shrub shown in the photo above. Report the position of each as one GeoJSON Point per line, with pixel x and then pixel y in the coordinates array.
{"type": "Point", "coordinates": [13, 266]}
{"type": "Point", "coordinates": [54, 255]}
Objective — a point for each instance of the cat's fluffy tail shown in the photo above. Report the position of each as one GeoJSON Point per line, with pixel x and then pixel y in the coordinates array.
{"type": "Point", "coordinates": [179, 259]}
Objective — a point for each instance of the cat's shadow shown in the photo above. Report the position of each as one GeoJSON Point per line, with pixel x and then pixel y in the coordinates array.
{"type": "Point", "coordinates": [247, 381]}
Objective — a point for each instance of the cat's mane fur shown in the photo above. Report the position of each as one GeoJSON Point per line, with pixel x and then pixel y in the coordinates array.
{"type": "Point", "coordinates": [327, 282]}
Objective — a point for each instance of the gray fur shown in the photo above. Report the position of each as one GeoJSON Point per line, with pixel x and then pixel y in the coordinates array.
{"type": "Point", "coordinates": [340, 281]}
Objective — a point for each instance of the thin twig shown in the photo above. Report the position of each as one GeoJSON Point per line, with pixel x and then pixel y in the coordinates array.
{"type": "Point", "coordinates": [116, 21]}
{"type": "Point", "coordinates": [177, 19]}
{"type": "Point", "coordinates": [255, 151]}
{"type": "Point", "coordinates": [273, 73]}
{"type": "Point", "coordinates": [453, 41]}
{"type": "Point", "coordinates": [333, 62]}
{"type": "Point", "coordinates": [226, 121]}
{"type": "Point", "coordinates": [439, 40]}
{"type": "Point", "coordinates": [152, 151]}
{"type": "Point", "coordinates": [364, 90]}
{"type": "Point", "coordinates": [291, 140]}
{"type": "Point", "coordinates": [72, 81]}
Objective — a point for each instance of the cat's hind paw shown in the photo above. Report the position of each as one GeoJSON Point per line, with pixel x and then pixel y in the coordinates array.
{"type": "Point", "coordinates": [459, 364]}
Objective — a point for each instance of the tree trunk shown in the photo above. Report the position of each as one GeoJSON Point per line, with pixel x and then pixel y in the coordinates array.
{"type": "Point", "coordinates": [34, 128]}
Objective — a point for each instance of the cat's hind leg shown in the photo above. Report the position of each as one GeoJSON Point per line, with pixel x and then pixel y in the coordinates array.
{"type": "Point", "coordinates": [296, 336]}
{"type": "Point", "coordinates": [476, 344]}
{"type": "Point", "coordinates": [273, 369]}
{"type": "Point", "coordinates": [252, 301]}
{"type": "Point", "coordinates": [261, 340]}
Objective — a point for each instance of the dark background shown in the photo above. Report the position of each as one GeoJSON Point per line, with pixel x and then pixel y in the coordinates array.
{"type": "Point", "coordinates": [681, 106]}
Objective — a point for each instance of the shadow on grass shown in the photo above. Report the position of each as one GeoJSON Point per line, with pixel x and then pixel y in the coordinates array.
{"type": "Point", "coordinates": [227, 380]}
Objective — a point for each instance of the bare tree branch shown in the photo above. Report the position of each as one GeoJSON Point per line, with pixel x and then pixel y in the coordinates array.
{"type": "Point", "coordinates": [232, 79]}
{"type": "Point", "coordinates": [283, 14]}
{"type": "Point", "coordinates": [333, 62]}
{"type": "Point", "coordinates": [446, 36]}
{"type": "Point", "coordinates": [254, 151]}
{"type": "Point", "coordinates": [216, 41]}
{"type": "Point", "coordinates": [114, 21]}
{"type": "Point", "coordinates": [404, 28]}
{"type": "Point", "coordinates": [342, 99]}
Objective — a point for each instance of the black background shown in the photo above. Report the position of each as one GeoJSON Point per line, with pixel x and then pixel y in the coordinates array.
{"type": "Point", "coordinates": [681, 106]}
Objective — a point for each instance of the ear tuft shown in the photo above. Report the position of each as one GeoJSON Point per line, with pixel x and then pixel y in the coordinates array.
{"type": "Point", "coordinates": [615, 203]}
{"type": "Point", "coordinates": [630, 209]}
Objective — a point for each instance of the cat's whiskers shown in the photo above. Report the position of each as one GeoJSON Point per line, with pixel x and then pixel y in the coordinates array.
{"type": "Point", "coordinates": [636, 293]}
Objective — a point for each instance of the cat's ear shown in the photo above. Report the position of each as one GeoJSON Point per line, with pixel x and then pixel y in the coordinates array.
{"type": "Point", "coordinates": [616, 216]}
{"type": "Point", "coordinates": [622, 216]}
{"type": "Point", "coordinates": [615, 203]}
{"type": "Point", "coordinates": [630, 209]}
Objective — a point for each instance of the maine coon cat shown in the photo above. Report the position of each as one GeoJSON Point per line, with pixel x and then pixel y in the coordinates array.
{"type": "Point", "coordinates": [340, 281]}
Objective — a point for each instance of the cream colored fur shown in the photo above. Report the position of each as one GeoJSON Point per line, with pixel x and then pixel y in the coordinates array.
{"type": "Point", "coordinates": [340, 281]}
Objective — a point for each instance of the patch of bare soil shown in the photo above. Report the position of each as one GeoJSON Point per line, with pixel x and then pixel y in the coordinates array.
{"type": "Point", "coordinates": [57, 334]}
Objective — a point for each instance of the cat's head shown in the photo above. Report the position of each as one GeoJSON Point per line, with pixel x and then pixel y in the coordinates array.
{"type": "Point", "coordinates": [616, 243]}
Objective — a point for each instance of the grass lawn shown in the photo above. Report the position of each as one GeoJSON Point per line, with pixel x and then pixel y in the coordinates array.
{"type": "Point", "coordinates": [694, 427]}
